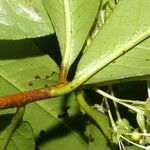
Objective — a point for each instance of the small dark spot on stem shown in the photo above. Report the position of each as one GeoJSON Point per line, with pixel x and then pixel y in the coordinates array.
{"type": "Point", "coordinates": [114, 62]}
{"type": "Point", "coordinates": [123, 52]}
{"type": "Point", "coordinates": [147, 59]}
{"type": "Point", "coordinates": [71, 87]}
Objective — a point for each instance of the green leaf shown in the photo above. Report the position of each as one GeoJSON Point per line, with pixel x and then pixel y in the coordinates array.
{"type": "Point", "coordinates": [134, 65]}
{"type": "Point", "coordinates": [56, 122]}
{"type": "Point", "coordinates": [62, 125]}
{"type": "Point", "coordinates": [123, 126]}
{"type": "Point", "coordinates": [23, 19]}
{"type": "Point", "coordinates": [22, 139]}
{"type": "Point", "coordinates": [46, 117]}
{"type": "Point", "coordinates": [23, 67]}
{"type": "Point", "coordinates": [126, 27]}
{"type": "Point", "coordinates": [72, 21]}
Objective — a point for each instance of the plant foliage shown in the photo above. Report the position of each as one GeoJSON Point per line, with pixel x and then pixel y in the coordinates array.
{"type": "Point", "coordinates": [89, 50]}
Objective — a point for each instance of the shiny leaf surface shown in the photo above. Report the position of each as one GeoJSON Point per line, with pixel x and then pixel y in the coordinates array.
{"type": "Point", "coordinates": [23, 19]}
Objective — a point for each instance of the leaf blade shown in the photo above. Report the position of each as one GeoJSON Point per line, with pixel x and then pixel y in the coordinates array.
{"type": "Point", "coordinates": [23, 19]}
{"type": "Point", "coordinates": [68, 19]}
{"type": "Point", "coordinates": [134, 65]}
{"type": "Point", "coordinates": [21, 62]}
{"type": "Point", "coordinates": [118, 35]}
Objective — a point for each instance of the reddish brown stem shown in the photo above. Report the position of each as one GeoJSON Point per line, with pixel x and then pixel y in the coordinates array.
{"type": "Point", "coordinates": [63, 75]}
{"type": "Point", "coordinates": [21, 99]}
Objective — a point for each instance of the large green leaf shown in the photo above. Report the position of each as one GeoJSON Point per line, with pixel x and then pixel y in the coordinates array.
{"type": "Point", "coordinates": [72, 21]}
{"type": "Point", "coordinates": [57, 123]}
{"type": "Point", "coordinates": [128, 25]}
{"type": "Point", "coordinates": [134, 65]}
{"type": "Point", "coordinates": [22, 67]}
{"type": "Point", "coordinates": [23, 19]}
{"type": "Point", "coordinates": [63, 126]}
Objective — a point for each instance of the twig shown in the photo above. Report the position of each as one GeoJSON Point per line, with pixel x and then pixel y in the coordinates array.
{"type": "Point", "coordinates": [97, 116]}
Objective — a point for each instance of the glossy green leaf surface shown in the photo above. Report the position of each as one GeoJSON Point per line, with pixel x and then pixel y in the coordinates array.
{"type": "Point", "coordinates": [23, 19]}
{"type": "Point", "coordinates": [125, 27]}
{"type": "Point", "coordinates": [56, 123]}
{"type": "Point", "coordinates": [72, 21]}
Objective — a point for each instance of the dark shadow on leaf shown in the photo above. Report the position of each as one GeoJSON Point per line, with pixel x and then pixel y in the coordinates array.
{"type": "Point", "coordinates": [50, 45]}
{"type": "Point", "coordinates": [17, 49]}
{"type": "Point", "coordinates": [76, 123]}
{"type": "Point", "coordinates": [73, 67]}
{"type": "Point", "coordinates": [5, 120]}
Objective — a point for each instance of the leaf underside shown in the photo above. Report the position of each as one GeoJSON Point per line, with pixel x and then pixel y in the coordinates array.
{"type": "Point", "coordinates": [81, 16]}
{"type": "Point", "coordinates": [129, 20]}
{"type": "Point", "coordinates": [58, 122]}
{"type": "Point", "coordinates": [52, 128]}
{"type": "Point", "coordinates": [22, 139]}
{"type": "Point", "coordinates": [23, 19]}
{"type": "Point", "coordinates": [134, 65]}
